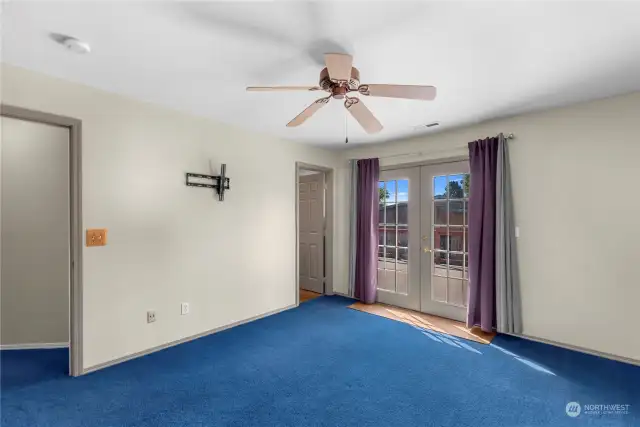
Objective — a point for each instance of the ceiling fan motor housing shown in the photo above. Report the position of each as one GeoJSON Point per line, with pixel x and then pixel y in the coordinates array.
{"type": "Point", "coordinates": [337, 89]}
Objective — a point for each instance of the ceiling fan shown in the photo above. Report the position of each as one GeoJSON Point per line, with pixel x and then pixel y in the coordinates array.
{"type": "Point", "coordinates": [339, 78]}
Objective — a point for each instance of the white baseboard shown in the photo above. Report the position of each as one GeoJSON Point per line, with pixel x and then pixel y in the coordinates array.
{"type": "Point", "coordinates": [34, 346]}
{"type": "Point", "coordinates": [578, 349]}
{"type": "Point", "coordinates": [182, 340]}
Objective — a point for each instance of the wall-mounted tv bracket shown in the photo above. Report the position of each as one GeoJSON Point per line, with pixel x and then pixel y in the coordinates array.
{"type": "Point", "coordinates": [220, 182]}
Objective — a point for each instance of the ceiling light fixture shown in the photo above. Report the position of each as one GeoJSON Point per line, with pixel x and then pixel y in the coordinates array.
{"type": "Point", "coordinates": [73, 44]}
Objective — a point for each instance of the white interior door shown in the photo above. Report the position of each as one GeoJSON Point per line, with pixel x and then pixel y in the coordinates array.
{"type": "Point", "coordinates": [399, 238]}
{"type": "Point", "coordinates": [444, 228]}
{"type": "Point", "coordinates": [35, 205]}
{"type": "Point", "coordinates": [311, 229]}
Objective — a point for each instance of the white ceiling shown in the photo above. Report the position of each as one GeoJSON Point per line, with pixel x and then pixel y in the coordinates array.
{"type": "Point", "coordinates": [488, 59]}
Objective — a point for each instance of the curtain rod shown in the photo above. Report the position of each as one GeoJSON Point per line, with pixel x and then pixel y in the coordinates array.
{"type": "Point", "coordinates": [420, 153]}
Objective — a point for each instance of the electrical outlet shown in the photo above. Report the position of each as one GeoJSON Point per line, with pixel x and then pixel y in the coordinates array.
{"type": "Point", "coordinates": [151, 316]}
{"type": "Point", "coordinates": [184, 308]}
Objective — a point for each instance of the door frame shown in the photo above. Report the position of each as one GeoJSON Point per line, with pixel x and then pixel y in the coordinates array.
{"type": "Point", "coordinates": [419, 165]}
{"type": "Point", "coordinates": [75, 238]}
{"type": "Point", "coordinates": [328, 226]}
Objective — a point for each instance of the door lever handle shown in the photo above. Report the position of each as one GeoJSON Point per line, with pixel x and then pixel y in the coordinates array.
{"type": "Point", "coordinates": [426, 250]}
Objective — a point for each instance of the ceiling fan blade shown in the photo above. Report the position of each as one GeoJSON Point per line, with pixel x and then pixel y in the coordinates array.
{"type": "Point", "coordinates": [363, 115]}
{"type": "Point", "coordinates": [339, 66]}
{"type": "Point", "coordinates": [426, 93]}
{"type": "Point", "coordinates": [308, 112]}
{"type": "Point", "coordinates": [281, 88]}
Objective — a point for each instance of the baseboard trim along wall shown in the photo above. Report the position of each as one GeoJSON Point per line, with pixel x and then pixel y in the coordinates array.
{"type": "Point", "coordinates": [183, 340]}
{"type": "Point", "coordinates": [580, 349]}
{"type": "Point", "coordinates": [34, 346]}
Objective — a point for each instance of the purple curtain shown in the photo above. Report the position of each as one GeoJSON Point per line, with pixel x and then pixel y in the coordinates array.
{"type": "Point", "coordinates": [483, 156]}
{"type": "Point", "coordinates": [366, 274]}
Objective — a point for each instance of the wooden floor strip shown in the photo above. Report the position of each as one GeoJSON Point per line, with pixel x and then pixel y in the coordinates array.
{"type": "Point", "coordinates": [425, 321]}
{"type": "Point", "coordinates": [308, 295]}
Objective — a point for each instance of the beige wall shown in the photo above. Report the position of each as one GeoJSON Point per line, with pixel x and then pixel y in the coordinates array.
{"type": "Point", "coordinates": [169, 243]}
{"type": "Point", "coordinates": [575, 175]}
{"type": "Point", "coordinates": [35, 233]}
{"type": "Point", "coordinates": [574, 171]}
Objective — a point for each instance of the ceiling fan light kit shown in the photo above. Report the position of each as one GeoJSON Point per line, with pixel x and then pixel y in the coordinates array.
{"type": "Point", "coordinates": [339, 78]}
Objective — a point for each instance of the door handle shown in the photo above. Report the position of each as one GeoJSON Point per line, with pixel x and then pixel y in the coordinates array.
{"type": "Point", "coordinates": [426, 250]}
{"type": "Point", "coordinates": [425, 237]}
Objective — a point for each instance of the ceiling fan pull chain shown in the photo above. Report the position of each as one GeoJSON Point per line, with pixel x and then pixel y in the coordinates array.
{"type": "Point", "coordinates": [346, 128]}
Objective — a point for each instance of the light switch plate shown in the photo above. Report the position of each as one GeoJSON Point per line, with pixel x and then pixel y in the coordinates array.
{"type": "Point", "coordinates": [96, 237]}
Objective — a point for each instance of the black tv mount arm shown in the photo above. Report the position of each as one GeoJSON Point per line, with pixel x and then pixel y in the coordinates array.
{"type": "Point", "coordinates": [220, 182]}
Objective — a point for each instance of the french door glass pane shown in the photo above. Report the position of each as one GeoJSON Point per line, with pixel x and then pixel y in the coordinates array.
{"type": "Point", "coordinates": [456, 235]}
{"type": "Point", "coordinates": [440, 261]}
{"type": "Point", "coordinates": [403, 258]}
{"type": "Point", "coordinates": [391, 211]}
{"type": "Point", "coordinates": [466, 239]}
{"type": "Point", "coordinates": [455, 265]}
{"type": "Point", "coordinates": [466, 213]}
{"type": "Point", "coordinates": [403, 236]}
{"type": "Point", "coordinates": [466, 183]}
{"type": "Point", "coordinates": [456, 212]}
{"type": "Point", "coordinates": [391, 255]}
{"type": "Point", "coordinates": [455, 187]}
{"type": "Point", "coordinates": [391, 236]}
{"type": "Point", "coordinates": [466, 266]}
{"type": "Point", "coordinates": [440, 212]}
{"type": "Point", "coordinates": [441, 238]}
{"type": "Point", "coordinates": [440, 187]}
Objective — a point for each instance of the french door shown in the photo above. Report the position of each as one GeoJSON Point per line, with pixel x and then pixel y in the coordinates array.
{"type": "Point", "coordinates": [423, 235]}
{"type": "Point", "coordinates": [398, 241]}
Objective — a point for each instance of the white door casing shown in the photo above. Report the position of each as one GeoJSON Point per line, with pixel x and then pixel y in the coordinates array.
{"type": "Point", "coordinates": [311, 232]}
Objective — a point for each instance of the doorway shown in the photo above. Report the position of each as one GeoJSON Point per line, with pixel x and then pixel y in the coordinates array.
{"type": "Point", "coordinates": [314, 231]}
{"type": "Point", "coordinates": [41, 239]}
{"type": "Point", "coordinates": [423, 235]}
{"type": "Point", "coordinates": [311, 233]}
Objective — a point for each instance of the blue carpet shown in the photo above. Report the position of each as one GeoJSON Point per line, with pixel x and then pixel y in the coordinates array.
{"type": "Point", "coordinates": [323, 365]}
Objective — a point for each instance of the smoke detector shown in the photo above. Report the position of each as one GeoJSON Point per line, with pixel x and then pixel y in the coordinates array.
{"type": "Point", "coordinates": [73, 44]}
